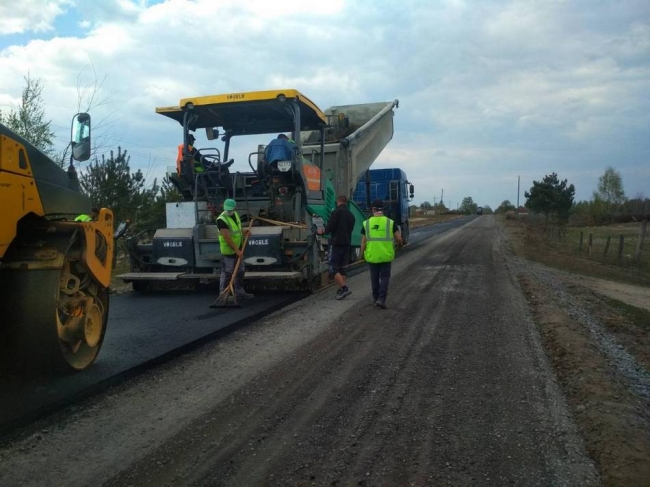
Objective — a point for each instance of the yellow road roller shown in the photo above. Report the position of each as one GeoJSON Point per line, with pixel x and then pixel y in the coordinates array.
{"type": "Point", "coordinates": [55, 267]}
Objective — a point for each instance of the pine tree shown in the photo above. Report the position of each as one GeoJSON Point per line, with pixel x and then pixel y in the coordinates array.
{"type": "Point", "coordinates": [551, 197]}
{"type": "Point", "coordinates": [29, 121]}
{"type": "Point", "coordinates": [110, 184]}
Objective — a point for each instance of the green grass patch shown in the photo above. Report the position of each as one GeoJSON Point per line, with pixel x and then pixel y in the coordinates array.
{"type": "Point", "coordinates": [638, 317]}
{"type": "Point", "coordinates": [629, 232]}
{"type": "Point", "coordinates": [559, 249]}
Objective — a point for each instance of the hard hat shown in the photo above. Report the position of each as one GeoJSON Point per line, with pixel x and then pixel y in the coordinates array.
{"type": "Point", "coordinates": [229, 205]}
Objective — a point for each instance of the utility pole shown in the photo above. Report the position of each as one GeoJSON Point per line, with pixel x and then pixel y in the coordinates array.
{"type": "Point", "coordinates": [518, 181]}
{"type": "Point", "coordinates": [441, 194]}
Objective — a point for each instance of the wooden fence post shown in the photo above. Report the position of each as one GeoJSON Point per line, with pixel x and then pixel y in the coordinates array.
{"type": "Point", "coordinates": [609, 239]}
{"type": "Point", "coordinates": [639, 242]}
{"type": "Point", "coordinates": [580, 244]}
{"type": "Point", "coordinates": [591, 241]}
{"type": "Point", "coordinates": [621, 243]}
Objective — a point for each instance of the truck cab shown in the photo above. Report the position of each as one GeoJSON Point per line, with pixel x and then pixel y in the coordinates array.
{"type": "Point", "coordinates": [393, 188]}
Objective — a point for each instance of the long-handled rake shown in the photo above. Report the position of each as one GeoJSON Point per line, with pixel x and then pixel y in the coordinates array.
{"type": "Point", "coordinates": [228, 295]}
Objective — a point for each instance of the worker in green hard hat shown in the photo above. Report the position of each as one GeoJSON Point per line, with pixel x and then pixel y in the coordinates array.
{"type": "Point", "coordinates": [230, 244]}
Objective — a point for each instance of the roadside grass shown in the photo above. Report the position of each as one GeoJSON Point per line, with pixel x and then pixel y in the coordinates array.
{"type": "Point", "coordinates": [560, 249]}
{"type": "Point", "coordinates": [637, 317]}
{"type": "Point", "coordinates": [628, 231]}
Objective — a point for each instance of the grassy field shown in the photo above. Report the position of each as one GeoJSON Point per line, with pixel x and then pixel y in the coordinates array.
{"type": "Point", "coordinates": [630, 236]}
{"type": "Point", "coordinates": [561, 249]}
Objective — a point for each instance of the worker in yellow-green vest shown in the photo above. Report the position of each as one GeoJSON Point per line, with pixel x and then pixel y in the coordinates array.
{"type": "Point", "coordinates": [378, 237]}
{"type": "Point", "coordinates": [94, 213]}
{"type": "Point", "coordinates": [230, 244]}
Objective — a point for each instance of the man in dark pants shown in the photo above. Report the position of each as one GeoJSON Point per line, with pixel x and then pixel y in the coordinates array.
{"type": "Point", "coordinates": [378, 250]}
{"type": "Point", "coordinates": [340, 226]}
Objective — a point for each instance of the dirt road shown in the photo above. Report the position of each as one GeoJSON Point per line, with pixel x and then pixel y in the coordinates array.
{"type": "Point", "coordinates": [449, 386]}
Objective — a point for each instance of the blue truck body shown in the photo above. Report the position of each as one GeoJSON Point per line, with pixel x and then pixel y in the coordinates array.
{"type": "Point", "coordinates": [390, 186]}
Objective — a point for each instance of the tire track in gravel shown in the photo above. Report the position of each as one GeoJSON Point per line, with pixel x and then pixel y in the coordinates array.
{"type": "Point", "coordinates": [350, 419]}
{"type": "Point", "coordinates": [447, 385]}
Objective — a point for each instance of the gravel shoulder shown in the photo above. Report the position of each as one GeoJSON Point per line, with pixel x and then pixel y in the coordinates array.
{"type": "Point", "coordinates": [638, 296]}
{"type": "Point", "coordinates": [449, 386]}
{"type": "Point", "coordinates": [601, 359]}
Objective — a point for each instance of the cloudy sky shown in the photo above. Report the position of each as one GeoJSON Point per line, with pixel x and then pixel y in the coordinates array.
{"type": "Point", "coordinates": [488, 90]}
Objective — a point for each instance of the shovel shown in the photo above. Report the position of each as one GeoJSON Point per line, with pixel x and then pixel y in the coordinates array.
{"type": "Point", "coordinates": [228, 295]}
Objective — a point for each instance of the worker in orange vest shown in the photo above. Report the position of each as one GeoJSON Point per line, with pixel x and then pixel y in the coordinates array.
{"type": "Point", "coordinates": [198, 167]}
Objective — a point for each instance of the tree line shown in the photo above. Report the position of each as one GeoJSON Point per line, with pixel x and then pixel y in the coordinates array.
{"type": "Point", "coordinates": [109, 182]}
{"type": "Point", "coordinates": [555, 200]}
{"type": "Point", "coordinates": [467, 207]}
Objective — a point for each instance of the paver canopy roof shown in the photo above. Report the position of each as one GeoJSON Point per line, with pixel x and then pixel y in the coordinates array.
{"type": "Point", "coordinates": [254, 112]}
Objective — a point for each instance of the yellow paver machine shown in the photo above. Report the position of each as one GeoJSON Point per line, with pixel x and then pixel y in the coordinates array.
{"type": "Point", "coordinates": [287, 198]}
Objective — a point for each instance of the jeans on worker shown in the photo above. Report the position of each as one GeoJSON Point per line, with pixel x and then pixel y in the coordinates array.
{"type": "Point", "coordinates": [379, 279]}
{"type": "Point", "coordinates": [228, 263]}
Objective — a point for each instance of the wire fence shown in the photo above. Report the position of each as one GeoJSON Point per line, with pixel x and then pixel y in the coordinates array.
{"type": "Point", "coordinates": [624, 245]}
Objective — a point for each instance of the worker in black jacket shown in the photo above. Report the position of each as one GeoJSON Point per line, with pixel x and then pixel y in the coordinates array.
{"type": "Point", "coordinates": [340, 226]}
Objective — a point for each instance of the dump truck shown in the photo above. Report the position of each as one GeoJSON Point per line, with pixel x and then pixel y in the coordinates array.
{"type": "Point", "coordinates": [54, 271]}
{"type": "Point", "coordinates": [282, 202]}
{"type": "Point", "coordinates": [392, 187]}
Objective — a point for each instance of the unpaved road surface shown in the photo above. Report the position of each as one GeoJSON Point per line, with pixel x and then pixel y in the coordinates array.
{"type": "Point", "coordinates": [449, 386]}
{"type": "Point", "coordinates": [638, 296]}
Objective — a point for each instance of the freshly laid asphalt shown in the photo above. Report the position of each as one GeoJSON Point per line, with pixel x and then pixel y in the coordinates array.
{"type": "Point", "coordinates": [143, 330]}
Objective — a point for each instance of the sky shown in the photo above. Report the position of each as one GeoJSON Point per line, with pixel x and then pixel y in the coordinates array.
{"type": "Point", "coordinates": [489, 91]}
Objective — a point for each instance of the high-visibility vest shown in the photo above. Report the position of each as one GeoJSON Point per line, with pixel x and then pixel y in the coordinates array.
{"type": "Point", "coordinates": [179, 159]}
{"type": "Point", "coordinates": [84, 218]}
{"type": "Point", "coordinates": [379, 240]}
{"type": "Point", "coordinates": [234, 228]}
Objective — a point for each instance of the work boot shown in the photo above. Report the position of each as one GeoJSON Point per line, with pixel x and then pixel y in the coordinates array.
{"type": "Point", "coordinates": [381, 303]}
{"type": "Point", "coordinates": [374, 301]}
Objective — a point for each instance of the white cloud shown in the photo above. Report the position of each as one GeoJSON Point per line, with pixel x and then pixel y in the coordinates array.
{"type": "Point", "coordinates": [30, 15]}
{"type": "Point", "coordinates": [486, 91]}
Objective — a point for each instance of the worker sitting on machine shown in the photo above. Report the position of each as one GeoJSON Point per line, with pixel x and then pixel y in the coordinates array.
{"type": "Point", "coordinates": [217, 172]}
{"type": "Point", "coordinates": [279, 149]}
{"type": "Point", "coordinates": [94, 213]}
{"type": "Point", "coordinates": [198, 167]}
{"type": "Point", "coordinates": [279, 157]}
